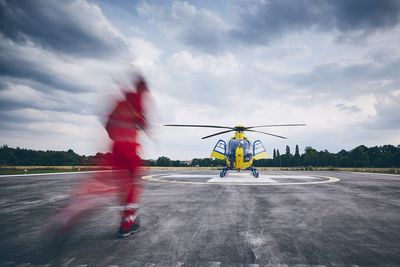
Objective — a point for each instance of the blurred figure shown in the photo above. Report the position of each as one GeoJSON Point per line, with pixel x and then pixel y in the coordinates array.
{"type": "Point", "coordinates": [125, 121]}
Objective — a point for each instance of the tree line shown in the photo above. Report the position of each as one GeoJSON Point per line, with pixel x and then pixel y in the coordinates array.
{"type": "Point", "coordinates": [386, 156]}
{"type": "Point", "coordinates": [361, 156]}
{"type": "Point", "coordinates": [196, 162]}
{"type": "Point", "coordinates": [29, 157]}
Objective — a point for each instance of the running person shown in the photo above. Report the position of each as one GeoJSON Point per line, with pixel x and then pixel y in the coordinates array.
{"type": "Point", "coordinates": [123, 126]}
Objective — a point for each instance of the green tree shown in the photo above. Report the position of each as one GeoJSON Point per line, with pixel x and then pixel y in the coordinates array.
{"type": "Point", "coordinates": [296, 157]}
{"type": "Point", "coordinates": [278, 158]}
{"type": "Point", "coordinates": [163, 161]}
{"type": "Point", "coordinates": [359, 156]}
{"type": "Point", "coordinates": [310, 156]}
{"type": "Point", "coordinates": [287, 157]}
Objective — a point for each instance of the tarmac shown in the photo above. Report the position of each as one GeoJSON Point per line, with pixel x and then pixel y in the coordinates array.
{"type": "Point", "coordinates": [196, 218]}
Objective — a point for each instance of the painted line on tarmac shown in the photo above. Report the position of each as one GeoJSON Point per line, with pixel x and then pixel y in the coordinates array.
{"type": "Point", "coordinates": [237, 179]}
{"type": "Point", "coordinates": [194, 176]}
{"type": "Point", "coordinates": [158, 178]}
{"type": "Point", "coordinates": [378, 173]}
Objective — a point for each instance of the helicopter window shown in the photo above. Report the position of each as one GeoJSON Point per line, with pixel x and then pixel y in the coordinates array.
{"type": "Point", "coordinates": [220, 147]}
{"type": "Point", "coordinates": [232, 146]}
{"type": "Point", "coordinates": [246, 145]}
{"type": "Point", "coordinates": [234, 143]}
{"type": "Point", "coordinates": [258, 147]}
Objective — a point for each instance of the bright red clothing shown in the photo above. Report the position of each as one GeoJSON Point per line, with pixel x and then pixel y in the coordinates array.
{"type": "Point", "coordinates": [123, 125]}
{"type": "Point", "coordinates": [126, 119]}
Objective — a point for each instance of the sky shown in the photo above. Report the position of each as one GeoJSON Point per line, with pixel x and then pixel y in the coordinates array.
{"type": "Point", "coordinates": [334, 65]}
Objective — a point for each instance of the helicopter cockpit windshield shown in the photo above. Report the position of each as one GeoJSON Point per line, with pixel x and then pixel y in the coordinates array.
{"type": "Point", "coordinates": [234, 143]}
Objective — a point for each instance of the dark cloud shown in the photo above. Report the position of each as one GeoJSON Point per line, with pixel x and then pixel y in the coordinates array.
{"type": "Point", "coordinates": [20, 94]}
{"type": "Point", "coordinates": [350, 79]}
{"type": "Point", "coordinates": [13, 120]}
{"type": "Point", "coordinates": [365, 15]}
{"type": "Point", "coordinates": [18, 104]}
{"type": "Point", "coordinates": [15, 65]}
{"type": "Point", "coordinates": [68, 27]}
{"type": "Point", "coordinates": [273, 19]}
{"type": "Point", "coordinates": [261, 22]}
{"type": "Point", "coordinates": [41, 43]}
{"type": "Point", "coordinates": [6, 106]}
{"type": "Point", "coordinates": [18, 112]}
{"type": "Point", "coordinates": [348, 108]}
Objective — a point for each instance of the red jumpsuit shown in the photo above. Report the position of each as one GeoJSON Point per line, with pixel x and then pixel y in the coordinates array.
{"type": "Point", "coordinates": [123, 125]}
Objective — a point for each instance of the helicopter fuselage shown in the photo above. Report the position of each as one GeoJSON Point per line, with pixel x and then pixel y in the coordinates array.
{"type": "Point", "coordinates": [239, 153]}
{"type": "Point", "coordinates": [239, 156]}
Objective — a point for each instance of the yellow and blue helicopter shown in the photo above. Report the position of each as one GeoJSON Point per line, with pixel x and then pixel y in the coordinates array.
{"type": "Point", "coordinates": [239, 153]}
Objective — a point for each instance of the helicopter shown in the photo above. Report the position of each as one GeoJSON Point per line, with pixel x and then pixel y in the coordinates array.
{"type": "Point", "coordinates": [239, 153]}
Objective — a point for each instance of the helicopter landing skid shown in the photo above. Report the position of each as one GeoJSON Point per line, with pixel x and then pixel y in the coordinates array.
{"type": "Point", "coordinates": [255, 173]}
{"type": "Point", "coordinates": [223, 172]}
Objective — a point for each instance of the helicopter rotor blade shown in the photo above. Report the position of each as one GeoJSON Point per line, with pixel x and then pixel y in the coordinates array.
{"type": "Point", "coordinates": [267, 134]}
{"type": "Point", "coordinates": [208, 136]}
{"type": "Point", "coordinates": [276, 125]}
{"type": "Point", "coordinates": [237, 128]}
{"type": "Point", "coordinates": [202, 126]}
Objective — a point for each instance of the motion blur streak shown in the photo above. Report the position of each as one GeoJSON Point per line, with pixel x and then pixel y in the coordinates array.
{"type": "Point", "coordinates": [126, 119]}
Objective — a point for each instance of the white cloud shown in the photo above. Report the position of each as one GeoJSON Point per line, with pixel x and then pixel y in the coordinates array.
{"type": "Point", "coordinates": [213, 65]}
{"type": "Point", "coordinates": [145, 55]}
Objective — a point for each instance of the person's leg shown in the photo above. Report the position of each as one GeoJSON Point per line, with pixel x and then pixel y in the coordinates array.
{"type": "Point", "coordinates": [133, 189]}
{"type": "Point", "coordinates": [129, 221]}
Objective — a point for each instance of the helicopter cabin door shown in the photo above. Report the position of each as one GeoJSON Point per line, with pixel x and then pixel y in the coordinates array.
{"type": "Point", "coordinates": [219, 150]}
{"type": "Point", "coordinates": [259, 151]}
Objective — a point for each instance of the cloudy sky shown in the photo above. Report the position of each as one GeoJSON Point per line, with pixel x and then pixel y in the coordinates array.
{"type": "Point", "coordinates": [334, 65]}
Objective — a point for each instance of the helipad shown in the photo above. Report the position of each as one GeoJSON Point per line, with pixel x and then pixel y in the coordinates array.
{"type": "Point", "coordinates": [242, 179]}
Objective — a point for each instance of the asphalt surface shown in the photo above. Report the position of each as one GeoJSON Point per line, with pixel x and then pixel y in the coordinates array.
{"type": "Point", "coordinates": [354, 221]}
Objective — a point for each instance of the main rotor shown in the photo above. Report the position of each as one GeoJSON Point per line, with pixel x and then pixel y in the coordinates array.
{"type": "Point", "coordinates": [238, 128]}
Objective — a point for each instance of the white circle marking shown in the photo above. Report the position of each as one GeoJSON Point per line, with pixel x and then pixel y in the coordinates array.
{"type": "Point", "coordinates": [158, 178]}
